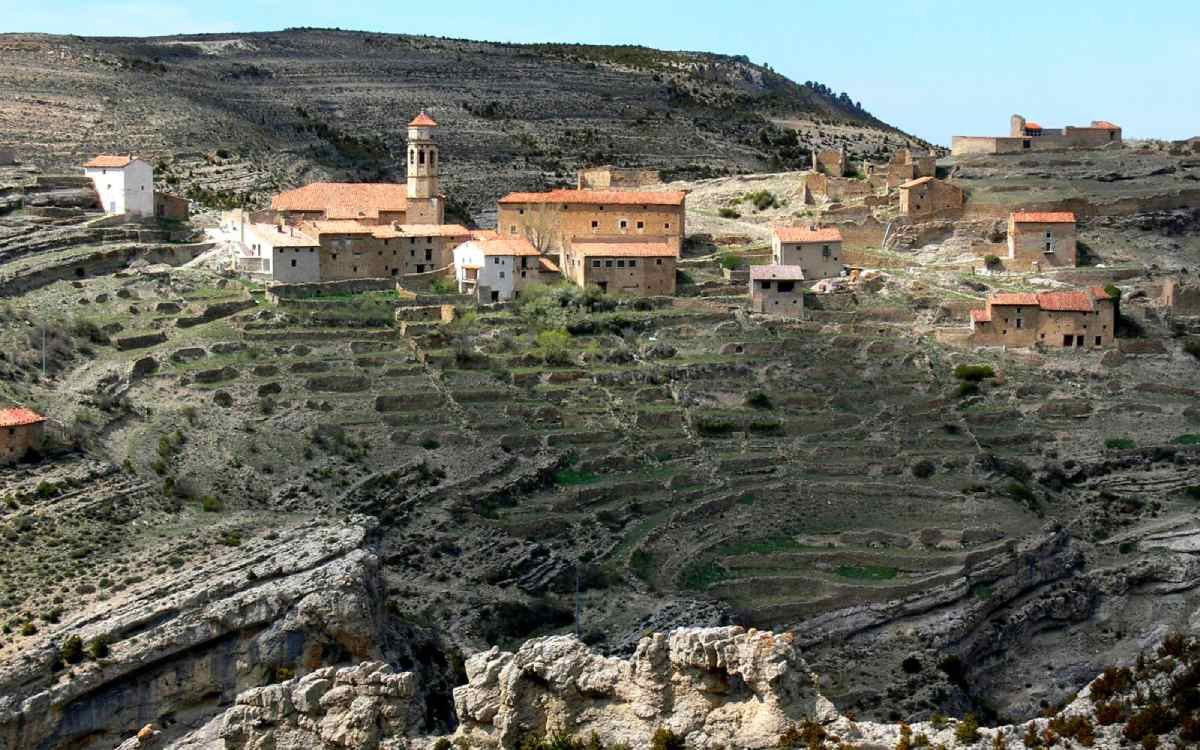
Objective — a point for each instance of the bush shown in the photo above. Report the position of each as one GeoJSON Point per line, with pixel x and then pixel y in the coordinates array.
{"type": "Point", "coordinates": [731, 261]}
{"type": "Point", "coordinates": [1111, 683]}
{"type": "Point", "coordinates": [212, 504]}
{"type": "Point", "coordinates": [442, 744]}
{"type": "Point", "coordinates": [1154, 719]}
{"type": "Point", "coordinates": [967, 731]}
{"type": "Point", "coordinates": [72, 649]}
{"type": "Point", "coordinates": [714, 426]}
{"type": "Point", "coordinates": [974, 373]}
{"type": "Point", "coordinates": [1120, 444]}
{"type": "Point", "coordinates": [923, 469]}
{"type": "Point", "coordinates": [665, 739]}
{"type": "Point", "coordinates": [555, 346]}
{"type": "Point", "coordinates": [758, 400]}
{"type": "Point", "coordinates": [443, 285]}
{"type": "Point", "coordinates": [991, 262]}
{"type": "Point", "coordinates": [728, 213]}
{"type": "Point", "coordinates": [762, 199]}
{"type": "Point", "coordinates": [967, 389]}
{"type": "Point", "coordinates": [808, 735]}
{"type": "Point", "coordinates": [97, 648]}
{"type": "Point", "coordinates": [1108, 714]}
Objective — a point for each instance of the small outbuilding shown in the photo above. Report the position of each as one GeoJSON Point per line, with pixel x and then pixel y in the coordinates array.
{"type": "Point", "coordinates": [777, 290]}
{"type": "Point", "coordinates": [21, 431]}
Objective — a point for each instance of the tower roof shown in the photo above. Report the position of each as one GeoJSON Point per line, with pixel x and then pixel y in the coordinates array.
{"type": "Point", "coordinates": [423, 121]}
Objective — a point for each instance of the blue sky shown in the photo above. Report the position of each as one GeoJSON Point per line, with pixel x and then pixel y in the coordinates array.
{"type": "Point", "coordinates": [932, 68]}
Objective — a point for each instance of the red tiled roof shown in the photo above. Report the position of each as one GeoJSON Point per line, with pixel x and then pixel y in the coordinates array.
{"type": "Point", "coordinates": [1100, 292]}
{"type": "Point", "coordinates": [344, 200]}
{"type": "Point", "coordinates": [623, 249]}
{"type": "Point", "coordinates": [916, 182]}
{"type": "Point", "coordinates": [1032, 126]}
{"type": "Point", "coordinates": [109, 161]}
{"type": "Point", "coordinates": [1014, 298]}
{"type": "Point", "coordinates": [600, 197]}
{"type": "Point", "coordinates": [423, 121]}
{"type": "Point", "coordinates": [786, 273]}
{"type": "Point", "coordinates": [421, 230]}
{"type": "Point", "coordinates": [808, 234]}
{"type": "Point", "coordinates": [981, 316]}
{"type": "Point", "coordinates": [18, 415]}
{"type": "Point", "coordinates": [1105, 125]}
{"type": "Point", "coordinates": [1043, 217]}
{"type": "Point", "coordinates": [507, 246]}
{"type": "Point", "coordinates": [1066, 301]}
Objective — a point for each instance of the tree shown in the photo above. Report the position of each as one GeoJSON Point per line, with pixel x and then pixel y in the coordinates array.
{"type": "Point", "coordinates": [543, 228]}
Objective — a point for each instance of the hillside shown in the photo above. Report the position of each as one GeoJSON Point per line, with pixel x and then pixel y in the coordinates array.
{"type": "Point", "coordinates": [244, 114]}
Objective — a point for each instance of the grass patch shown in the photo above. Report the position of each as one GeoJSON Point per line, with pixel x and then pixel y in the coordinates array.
{"type": "Point", "coordinates": [699, 576]}
{"type": "Point", "coordinates": [974, 373]}
{"type": "Point", "coordinates": [642, 563]}
{"type": "Point", "coordinates": [1188, 439]}
{"type": "Point", "coordinates": [1119, 444]}
{"type": "Point", "coordinates": [867, 572]}
{"type": "Point", "coordinates": [570, 476]}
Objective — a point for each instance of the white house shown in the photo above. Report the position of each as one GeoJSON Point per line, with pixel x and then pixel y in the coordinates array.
{"type": "Point", "coordinates": [125, 184]}
{"type": "Point", "coordinates": [496, 269]}
{"type": "Point", "coordinates": [280, 253]}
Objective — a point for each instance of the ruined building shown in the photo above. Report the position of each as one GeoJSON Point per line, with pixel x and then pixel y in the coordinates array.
{"type": "Point", "coordinates": [21, 431]}
{"type": "Point", "coordinates": [1030, 136]}
{"type": "Point", "coordinates": [617, 178]}
{"type": "Point", "coordinates": [1083, 319]}
{"type": "Point", "coordinates": [928, 196]}
{"type": "Point", "coordinates": [830, 161]}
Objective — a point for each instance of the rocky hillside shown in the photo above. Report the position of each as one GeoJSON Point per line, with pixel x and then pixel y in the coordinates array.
{"type": "Point", "coordinates": [227, 116]}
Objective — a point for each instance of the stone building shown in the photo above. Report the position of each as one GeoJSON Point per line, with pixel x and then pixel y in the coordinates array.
{"type": "Point", "coordinates": [553, 220]}
{"type": "Point", "coordinates": [632, 267]}
{"type": "Point", "coordinates": [817, 251]}
{"type": "Point", "coordinates": [777, 290]}
{"type": "Point", "coordinates": [278, 252]}
{"type": "Point", "coordinates": [1083, 319]}
{"type": "Point", "coordinates": [906, 165]}
{"type": "Point", "coordinates": [419, 201]}
{"type": "Point", "coordinates": [496, 269]}
{"type": "Point", "coordinates": [21, 430]}
{"type": "Point", "coordinates": [125, 184]}
{"type": "Point", "coordinates": [1024, 135]}
{"type": "Point", "coordinates": [617, 178]}
{"type": "Point", "coordinates": [927, 196]}
{"type": "Point", "coordinates": [1038, 240]}
{"type": "Point", "coordinates": [830, 161]}
{"type": "Point", "coordinates": [171, 207]}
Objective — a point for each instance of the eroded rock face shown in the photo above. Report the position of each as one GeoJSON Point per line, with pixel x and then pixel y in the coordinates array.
{"type": "Point", "coordinates": [714, 686]}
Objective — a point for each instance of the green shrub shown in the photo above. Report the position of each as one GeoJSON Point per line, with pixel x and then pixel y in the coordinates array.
{"type": "Point", "coordinates": [72, 649]}
{"type": "Point", "coordinates": [867, 572]}
{"type": "Point", "coordinates": [974, 373]}
{"type": "Point", "coordinates": [731, 261]}
{"type": "Point", "coordinates": [430, 444]}
{"type": "Point", "coordinates": [715, 426]}
{"type": "Point", "coordinates": [923, 469]}
{"type": "Point", "coordinates": [698, 576]}
{"type": "Point", "coordinates": [570, 476]}
{"type": "Point", "coordinates": [555, 346]}
{"type": "Point", "coordinates": [967, 389]}
{"type": "Point", "coordinates": [766, 425]}
{"type": "Point", "coordinates": [1153, 720]}
{"type": "Point", "coordinates": [761, 199]}
{"type": "Point", "coordinates": [1112, 682]}
{"type": "Point", "coordinates": [1189, 439]}
{"type": "Point", "coordinates": [1120, 444]}
{"type": "Point", "coordinates": [728, 213]}
{"type": "Point", "coordinates": [443, 285]}
{"type": "Point", "coordinates": [991, 262]}
{"type": "Point", "coordinates": [642, 564]}
{"type": "Point", "coordinates": [442, 744]}
{"type": "Point", "coordinates": [967, 731]}
{"type": "Point", "coordinates": [665, 739]}
{"type": "Point", "coordinates": [758, 400]}
{"type": "Point", "coordinates": [29, 629]}
{"type": "Point", "coordinates": [97, 648]}
{"type": "Point", "coordinates": [212, 504]}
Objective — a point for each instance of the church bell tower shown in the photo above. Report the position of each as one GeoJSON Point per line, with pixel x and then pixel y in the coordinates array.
{"type": "Point", "coordinates": [424, 198]}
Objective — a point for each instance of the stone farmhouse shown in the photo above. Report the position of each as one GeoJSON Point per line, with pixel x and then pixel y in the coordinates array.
{"type": "Point", "coordinates": [125, 184]}
{"type": "Point", "coordinates": [1038, 240]}
{"type": "Point", "coordinates": [777, 290]}
{"type": "Point", "coordinates": [817, 251]}
{"type": "Point", "coordinates": [634, 267]}
{"type": "Point", "coordinates": [497, 269]}
{"type": "Point", "coordinates": [927, 196]}
{"type": "Point", "coordinates": [617, 178]}
{"type": "Point", "coordinates": [1030, 136]}
{"type": "Point", "coordinates": [1050, 319]}
{"type": "Point", "coordinates": [21, 430]}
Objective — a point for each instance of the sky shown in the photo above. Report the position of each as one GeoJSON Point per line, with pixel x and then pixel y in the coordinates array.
{"type": "Point", "coordinates": [932, 68]}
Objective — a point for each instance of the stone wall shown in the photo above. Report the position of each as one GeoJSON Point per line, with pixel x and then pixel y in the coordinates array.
{"type": "Point", "coordinates": [617, 178]}
{"type": "Point", "coordinates": [16, 441]}
{"type": "Point", "coordinates": [572, 220]}
{"type": "Point", "coordinates": [282, 292]}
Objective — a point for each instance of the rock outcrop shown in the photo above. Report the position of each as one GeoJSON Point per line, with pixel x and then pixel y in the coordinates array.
{"type": "Point", "coordinates": [716, 687]}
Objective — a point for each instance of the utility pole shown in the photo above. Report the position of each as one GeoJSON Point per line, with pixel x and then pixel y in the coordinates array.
{"type": "Point", "coordinates": [577, 605]}
{"type": "Point", "coordinates": [43, 348]}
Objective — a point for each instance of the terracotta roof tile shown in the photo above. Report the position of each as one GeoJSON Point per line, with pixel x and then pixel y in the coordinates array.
{"type": "Point", "coordinates": [1100, 292]}
{"type": "Point", "coordinates": [808, 234]}
{"type": "Point", "coordinates": [344, 200]}
{"type": "Point", "coordinates": [599, 197]}
{"type": "Point", "coordinates": [1014, 298]}
{"type": "Point", "coordinates": [1043, 217]}
{"type": "Point", "coordinates": [18, 415]}
{"type": "Point", "coordinates": [785, 273]}
{"type": "Point", "coordinates": [623, 249]}
{"type": "Point", "coordinates": [1105, 125]}
{"type": "Point", "coordinates": [1066, 301]}
{"type": "Point", "coordinates": [290, 237]}
{"type": "Point", "coordinates": [507, 246]}
{"type": "Point", "coordinates": [421, 230]}
{"type": "Point", "coordinates": [1032, 126]}
{"type": "Point", "coordinates": [423, 121]}
{"type": "Point", "coordinates": [917, 182]}
{"type": "Point", "coordinates": [109, 161]}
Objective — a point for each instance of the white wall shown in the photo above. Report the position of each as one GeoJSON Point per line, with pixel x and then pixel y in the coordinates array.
{"type": "Point", "coordinates": [286, 264]}
{"type": "Point", "coordinates": [811, 258]}
{"type": "Point", "coordinates": [128, 190]}
{"type": "Point", "coordinates": [495, 273]}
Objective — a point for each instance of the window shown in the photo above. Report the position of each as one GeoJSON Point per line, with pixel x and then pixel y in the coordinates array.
{"type": "Point", "coordinates": [825, 251]}
{"type": "Point", "coordinates": [641, 225]}
{"type": "Point", "coordinates": [502, 274]}
{"type": "Point", "coordinates": [766, 284]}
{"type": "Point", "coordinates": [521, 211]}
{"type": "Point", "coordinates": [595, 224]}
{"type": "Point", "coordinates": [428, 255]}
{"type": "Point", "coordinates": [595, 264]}
{"type": "Point", "coordinates": [523, 274]}
{"type": "Point", "coordinates": [608, 264]}
{"type": "Point", "coordinates": [667, 225]}
{"type": "Point", "coordinates": [1097, 341]}
{"type": "Point", "coordinates": [1019, 322]}
{"type": "Point", "coordinates": [786, 286]}
{"type": "Point", "coordinates": [385, 242]}
{"type": "Point", "coordinates": [421, 157]}
{"type": "Point", "coordinates": [355, 269]}
{"type": "Point", "coordinates": [496, 261]}
{"type": "Point", "coordinates": [333, 256]}
{"type": "Point", "coordinates": [512, 229]}
{"type": "Point", "coordinates": [620, 264]}
{"type": "Point", "coordinates": [658, 261]}
{"type": "Point", "coordinates": [624, 224]}
{"type": "Point", "coordinates": [633, 264]}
